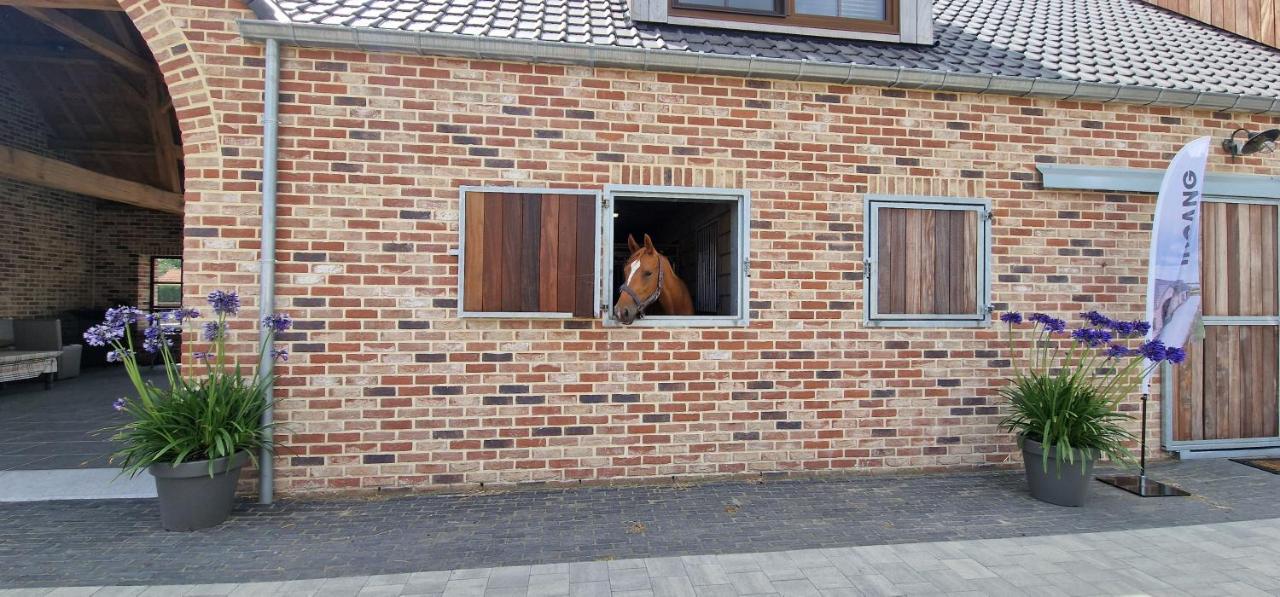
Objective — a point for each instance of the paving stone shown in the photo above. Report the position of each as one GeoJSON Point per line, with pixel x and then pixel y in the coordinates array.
{"type": "Point", "coordinates": [549, 585]}
{"type": "Point", "coordinates": [629, 579]}
{"type": "Point", "coordinates": [672, 586]}
{"type": "Point", "coordinates": [968, 569]}
{"type": "Point", "coordinates": [796, 588]}
{"type": "Point", "coordinates": [707, 574]}
{"type": "Point", "coordinates": [585, 572]}
{"type": "Point", "coordinates": [658, 567]}
{"type": "Point", "coordinates": [598, 588]}
{"type": "Point", "coordinates": [725, 590]}
{"type": "Point", "coordinates": [751, 583]}
{"type": "Point", "coordinates": [511, 576]}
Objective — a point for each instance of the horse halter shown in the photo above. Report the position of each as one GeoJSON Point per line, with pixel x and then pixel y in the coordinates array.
{"type": "Point", "coordinates": [653, 298]}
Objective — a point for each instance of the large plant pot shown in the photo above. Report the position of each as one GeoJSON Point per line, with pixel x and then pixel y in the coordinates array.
{"type": "Point", "coordinates": [1065, 485]}
{"type": "Point", "coordinates": [190, 499]}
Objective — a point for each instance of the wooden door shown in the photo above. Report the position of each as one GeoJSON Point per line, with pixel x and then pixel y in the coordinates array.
{"type": "Point", "coordinates": [1226, 394]}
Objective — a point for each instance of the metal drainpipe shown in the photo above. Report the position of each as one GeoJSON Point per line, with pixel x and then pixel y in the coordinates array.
{"type": "Point", "coordinates": [267, 268]}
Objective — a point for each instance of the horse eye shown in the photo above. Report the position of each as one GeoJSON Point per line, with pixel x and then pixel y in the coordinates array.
{"type": "Point", "coordinates": [647, 274]}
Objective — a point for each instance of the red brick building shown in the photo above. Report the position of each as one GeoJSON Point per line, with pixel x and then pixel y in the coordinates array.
{"type": "Point", "coordinates": [848, 199]}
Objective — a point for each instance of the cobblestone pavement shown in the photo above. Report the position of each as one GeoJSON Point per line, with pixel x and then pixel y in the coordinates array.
{"type": "Point", "coordinates": [1236, 558]}
{"type": "Point", "coordinates": [118, 542]}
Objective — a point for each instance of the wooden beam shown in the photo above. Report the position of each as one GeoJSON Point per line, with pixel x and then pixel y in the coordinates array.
{"type": "Point", "coordinates": [39, 170]}
{"type": "Point", "coordinates": [111, 5]}
{"type": "Point", "coordinates": [91, 39]}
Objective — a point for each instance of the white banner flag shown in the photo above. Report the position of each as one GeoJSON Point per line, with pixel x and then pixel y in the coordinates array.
{"type": "Point", "coordinates": [1173, 283]}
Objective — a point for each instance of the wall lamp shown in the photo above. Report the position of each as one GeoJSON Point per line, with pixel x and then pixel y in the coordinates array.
{"type": "Point", "coordinates": [1253, 143]}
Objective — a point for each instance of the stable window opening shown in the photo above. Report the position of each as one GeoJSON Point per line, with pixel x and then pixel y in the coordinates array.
{"type": "Point", "coordinates": [675, 256]}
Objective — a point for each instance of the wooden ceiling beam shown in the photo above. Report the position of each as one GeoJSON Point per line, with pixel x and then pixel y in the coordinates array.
{"type": "Point", "coordinates": [47, 172]}
{"type": "Point", "coordinates": [64, 24]}
{"type": "Point", "coordinates": [110, 5]}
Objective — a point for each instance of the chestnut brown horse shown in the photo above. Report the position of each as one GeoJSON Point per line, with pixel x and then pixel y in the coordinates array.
{"type": "Point", "coordinates": [650, 283]}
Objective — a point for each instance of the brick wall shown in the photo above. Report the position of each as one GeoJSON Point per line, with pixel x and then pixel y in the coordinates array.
{"type": "Point", "coordinates": [61, 251]}
{"type": "Point", "coordinates": [45, 242]}
{"type": "Point", "coordinates": [386, 387]}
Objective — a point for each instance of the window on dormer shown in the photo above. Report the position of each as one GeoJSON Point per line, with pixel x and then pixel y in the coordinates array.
{"type": "Point", "coordinates": [870, 10]}
{"type": "Point", "coordinates": [763, 7]}
{"type": "Point", "coordinates": [875, 16]}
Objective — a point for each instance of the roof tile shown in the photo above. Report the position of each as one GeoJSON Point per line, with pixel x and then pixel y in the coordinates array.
{"type": "Point", "coordinates": [1104, 41]}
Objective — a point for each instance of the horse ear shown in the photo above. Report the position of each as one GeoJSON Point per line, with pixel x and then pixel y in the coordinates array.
{"type": "Point", "coordinates": [648, 244]}
{"type": "Point", "coordinates": [632, 244]}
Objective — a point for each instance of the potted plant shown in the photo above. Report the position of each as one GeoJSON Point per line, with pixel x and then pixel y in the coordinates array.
{"type": "Point", "coordinates": [1064, 392]}
{"type": "Point", "coordinates": [195, 433]}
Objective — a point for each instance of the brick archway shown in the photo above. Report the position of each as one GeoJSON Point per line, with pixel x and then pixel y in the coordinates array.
{"type": "Point", "coordinates": [180, 61]}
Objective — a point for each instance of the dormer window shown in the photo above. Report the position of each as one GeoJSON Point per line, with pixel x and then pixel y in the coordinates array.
{"type": "Point", "coordinates": [900, 21]}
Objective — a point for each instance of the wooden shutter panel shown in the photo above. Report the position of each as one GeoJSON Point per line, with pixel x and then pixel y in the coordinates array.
{"type": "Point", "coordinates": [927, 261]}
{"type": "Point", "coordinates": [529, 253]}
{"type": "Point", "coordinates": [1238, 248]}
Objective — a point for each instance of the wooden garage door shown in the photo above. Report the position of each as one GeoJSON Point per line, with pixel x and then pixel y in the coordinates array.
{"type": "Point", "coordinates": [1227, 389]}
{"type": "Point", "coordinates": [528, 253]}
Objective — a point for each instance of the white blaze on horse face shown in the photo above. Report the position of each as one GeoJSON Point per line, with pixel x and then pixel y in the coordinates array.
{"type": "Point", "coordinates": [631, 272]}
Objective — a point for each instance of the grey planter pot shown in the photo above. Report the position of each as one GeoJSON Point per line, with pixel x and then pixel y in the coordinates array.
{"type": "Point", "coordinates": [1066, 485]}
{"type": "Point", "coordinates": [190, 499]}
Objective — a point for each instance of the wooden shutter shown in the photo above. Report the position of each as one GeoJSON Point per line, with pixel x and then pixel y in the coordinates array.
{"type": "Point", "coordinates": [528, 253]}
{"type": "Point", "coordinates": [927, 262]}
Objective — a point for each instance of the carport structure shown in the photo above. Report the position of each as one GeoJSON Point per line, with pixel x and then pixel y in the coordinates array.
{"type": "Point", "coordinates": [91, 183]}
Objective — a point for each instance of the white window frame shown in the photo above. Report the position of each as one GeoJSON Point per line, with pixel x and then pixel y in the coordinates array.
{"type": "Point", "coordinates": [462, 251]}
{"type": "Point", "coordinates": [871, 265]}
{"type": "Point", "coordinates": [741, 257]}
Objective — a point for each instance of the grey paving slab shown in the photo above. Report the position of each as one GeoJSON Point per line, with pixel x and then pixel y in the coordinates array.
{"type": "Point", "coordinates": [939, 517]}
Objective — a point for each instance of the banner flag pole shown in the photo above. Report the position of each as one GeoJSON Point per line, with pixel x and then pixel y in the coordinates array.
{"type": "Point", "coordinates": [1173, 284]}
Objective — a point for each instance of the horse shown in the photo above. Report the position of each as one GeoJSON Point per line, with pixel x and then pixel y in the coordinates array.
{"type": "Point", "coordinates": [650, 282]}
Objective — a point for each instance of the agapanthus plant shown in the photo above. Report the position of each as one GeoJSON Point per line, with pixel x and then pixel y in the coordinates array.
{"type": "Point", "coordinates": [1067, 385]}
{"type": "Point", "coordinates": [211, 412]}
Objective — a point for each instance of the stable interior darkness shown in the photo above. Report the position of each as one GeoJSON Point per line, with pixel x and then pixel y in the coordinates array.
{"type": "Point", "coordinates": [696, 236]}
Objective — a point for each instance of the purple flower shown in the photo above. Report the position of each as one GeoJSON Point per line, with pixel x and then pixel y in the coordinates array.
{"type": "Point", "coordinates": [151, 339]}
{"type": "Point", "coordinates": [280, 355]}
{"type": "Point", "coordinates": [1124, 329]}
{"type": "Point", "coordinates": [117, 356]}
{"type": "Point", "coordinates": [1054, 325]}
{"type": "Point", "coordinates": [1038, 318]}
{"type": "Point", "coordinates": [1090, 337]}
{"type": "Point", "coordinates": [118, 404]}
{"type": "Point", "coordinates": [1140, 328]}
{"type": "Point", "coordinates": [1154, 351]}
{"type": "Point", "coordinates": [103, 334]}
{"type": "Point", "coordinates": [1175, 355]}
{"type": "Point", "coordinates": [1116, 351]}
{"type": "Point", "coordinates": [202, 356]}
{"type": "Point", "coordinates": [278, 322]}
{"type": "Point", "coordinates": [213, 331]}
{"type": "Point", "coordinates": [1096, 319]}
{"type": "Point", "coordinates": [181, 315]}
{"type": "Point", "coordinates": [1011, 318]}
{"type": "Point", "coordinates": [224, 303]}
{"type": "Point", "coordinates": [122, 316]}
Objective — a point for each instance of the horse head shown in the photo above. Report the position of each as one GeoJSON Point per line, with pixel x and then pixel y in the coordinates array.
{"type": "Point", "coordinates": [642, 282]}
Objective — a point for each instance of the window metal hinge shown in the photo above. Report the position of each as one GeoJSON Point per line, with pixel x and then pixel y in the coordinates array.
{"type": "Point", "coordinates": [746, 267]}
{"type": "Point", "coordinates": [604, 202]}
{"type": "Point", "coordinates": [987, 215]}
{"type": "Point", "coordinates": [866, 267]}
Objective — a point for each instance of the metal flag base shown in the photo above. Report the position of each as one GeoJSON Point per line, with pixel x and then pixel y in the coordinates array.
{"type": "Point", "coordinates": [1139, 484]}
{"type": "Point", "coordinates": [1142, 486]}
